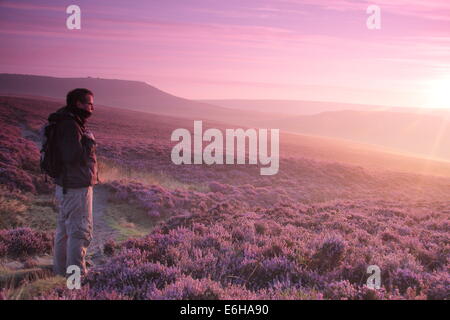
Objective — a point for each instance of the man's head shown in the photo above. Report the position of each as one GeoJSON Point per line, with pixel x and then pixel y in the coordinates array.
{"type": "Point", "coordinates": [82, 99]}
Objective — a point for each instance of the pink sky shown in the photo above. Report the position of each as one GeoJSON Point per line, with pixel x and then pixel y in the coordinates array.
{"type": "Point", "coordinates": [255, 49]}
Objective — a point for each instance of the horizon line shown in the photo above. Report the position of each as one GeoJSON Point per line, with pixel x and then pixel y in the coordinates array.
{"type": "Point", "coordinates": [231, 99]}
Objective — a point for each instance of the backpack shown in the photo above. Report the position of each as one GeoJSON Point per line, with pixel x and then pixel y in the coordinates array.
{"type": "Point", "coordinates": [50, 161]}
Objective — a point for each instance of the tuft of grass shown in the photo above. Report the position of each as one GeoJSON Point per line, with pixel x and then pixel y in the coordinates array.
{"type": "Point", "coordinates": [129, 220]}
{"type": "Point", "coordinates": [13, 279]}
{"type": "Point", "coordinates": [42, 213]}
{"type": "Point", "coordinates": [11, 212]}
{"type": "Point", "coordinates": [33, 290]}
{"type": "Point", "coordinates": [27, 210]}
{"type": "Point", "coordinates": [110, 171]}
{"type": "Point", "coordinates": [299, 294]}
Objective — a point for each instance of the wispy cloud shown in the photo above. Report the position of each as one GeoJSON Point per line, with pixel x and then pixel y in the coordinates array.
{"type": "Point", "coordinates": [30, 6]}
{"type": "Point", "coordinates": [425, 9]}
{"type": "Point", "coordinates": [274, 48]}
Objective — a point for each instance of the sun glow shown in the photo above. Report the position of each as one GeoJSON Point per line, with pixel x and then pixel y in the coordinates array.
{"type": "Point", "coordinates": [437, 93]}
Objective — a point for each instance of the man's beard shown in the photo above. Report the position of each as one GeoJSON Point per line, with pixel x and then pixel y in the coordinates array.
{"type": "Point", "coordinates": [83, 114]}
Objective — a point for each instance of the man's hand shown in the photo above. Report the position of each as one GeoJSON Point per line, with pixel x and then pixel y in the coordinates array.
{"type": "Point", "coordinates": [89, 135]}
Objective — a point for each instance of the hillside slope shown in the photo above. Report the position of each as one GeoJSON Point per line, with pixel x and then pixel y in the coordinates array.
{"type": "Point", "coordinates": [224, 231]}
{"type": "Point", "coordinates": [427, 135]}
{"type": "Point", "coordinates": [133, 95]}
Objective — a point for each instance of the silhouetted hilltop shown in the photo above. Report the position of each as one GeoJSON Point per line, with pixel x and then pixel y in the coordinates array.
{"type": "Point", "coordinates": [133, 95]}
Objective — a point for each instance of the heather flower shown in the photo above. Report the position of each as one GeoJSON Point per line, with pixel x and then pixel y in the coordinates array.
{"type": "Point", "coordinates": [438, 286]}
{"type": "Point", "coordinates": [109, 247]}
{"type": "Point", "coordinates": [3, 249]}
{"type": "Point", "coordinates": [340, 290]}
{"type": "Point", "coordinates": [187, 288]}
{"type": "Point", "coordinates": [23, 242]}
{"type": "Point", "coordinates": [329, 254]}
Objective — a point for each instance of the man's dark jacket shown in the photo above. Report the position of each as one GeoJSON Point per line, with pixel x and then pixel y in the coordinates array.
{"type": "Point", "coordinates": [76, 147]}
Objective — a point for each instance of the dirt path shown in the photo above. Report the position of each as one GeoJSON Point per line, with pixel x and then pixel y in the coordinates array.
{"type": "Point", "coordinates": [102, 231]}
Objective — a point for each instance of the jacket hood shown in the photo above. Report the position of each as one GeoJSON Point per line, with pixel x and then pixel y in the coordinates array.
{"type": "Point", "coordinates": [65, 113]}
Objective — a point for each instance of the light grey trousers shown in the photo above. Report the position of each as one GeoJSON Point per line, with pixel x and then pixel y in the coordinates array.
{"type": "Point", "coordinates": [73, 228]}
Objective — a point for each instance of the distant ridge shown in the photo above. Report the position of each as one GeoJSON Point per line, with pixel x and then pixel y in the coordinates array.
{"type": "Point", "coordinates": [412, 130]}
{"type": "Point", "coordinates": [134, 95]}
{"type": "Point", "coordinates": [304, 107]}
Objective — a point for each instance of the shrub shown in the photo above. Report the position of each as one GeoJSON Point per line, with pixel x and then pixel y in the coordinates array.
{"type": "Point", "coordinates": [24, 242]}
{"type": "Point", "coordinates": [330, 254]}
{"type": "Point", "coordinates": [187, 288]}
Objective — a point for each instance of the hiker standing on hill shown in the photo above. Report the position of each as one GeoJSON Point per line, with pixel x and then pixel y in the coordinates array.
{"type": "Point", "coordinates": [74, 155]}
